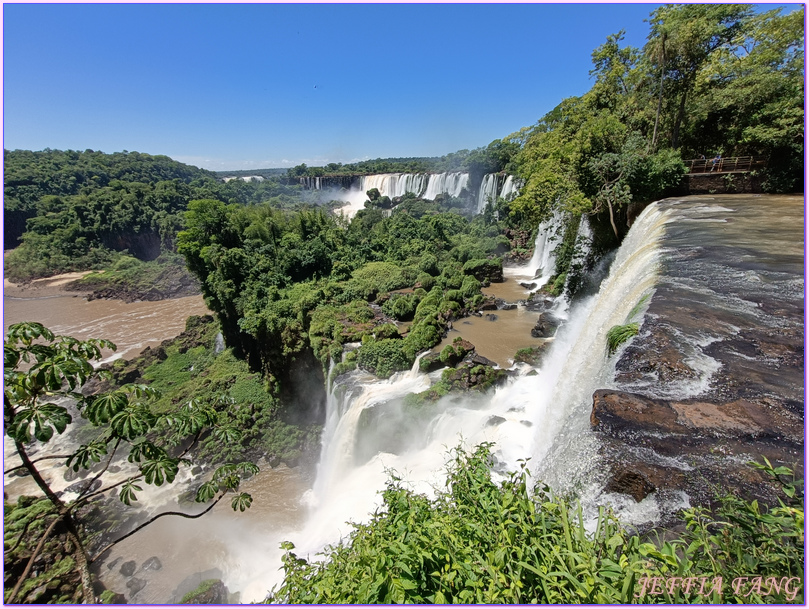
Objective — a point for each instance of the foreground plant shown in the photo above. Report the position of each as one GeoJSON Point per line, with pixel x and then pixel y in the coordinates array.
{"type": "Point", "coordinates": [483, 542]}
{"type": "Point", "coordinates": [40, 371]}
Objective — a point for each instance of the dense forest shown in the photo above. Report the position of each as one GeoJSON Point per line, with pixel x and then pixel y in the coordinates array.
{"type": "Point", "coordinates": [291, 283]}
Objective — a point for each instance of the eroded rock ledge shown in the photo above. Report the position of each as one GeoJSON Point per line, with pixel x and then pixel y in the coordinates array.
{"type": "Point", "coordinates": [696, 446]}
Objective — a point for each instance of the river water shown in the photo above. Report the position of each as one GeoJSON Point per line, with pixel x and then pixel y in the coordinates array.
{"type": "Point", "coordinates": [541, 413]}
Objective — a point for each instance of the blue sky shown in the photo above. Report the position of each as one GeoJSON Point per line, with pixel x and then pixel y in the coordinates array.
{"type": "Point", "coordinates": [262, 85]}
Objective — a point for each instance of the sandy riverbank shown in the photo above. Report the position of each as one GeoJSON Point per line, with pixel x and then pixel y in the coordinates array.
{"type": "Point", "coordinates": [39, 288]}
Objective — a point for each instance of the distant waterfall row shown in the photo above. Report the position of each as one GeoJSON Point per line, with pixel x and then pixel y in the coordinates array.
{"type": "Point", "coordinates": [423, 185]}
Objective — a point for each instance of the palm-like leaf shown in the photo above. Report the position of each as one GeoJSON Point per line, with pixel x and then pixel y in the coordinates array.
{"type": "Point", "coordinates": [241, 502]}
{"type": "Point", "coordinates": [104, 407]}
{"type": "Point", "coordinates": [158, 471]}
{"type": "Point", "coordinates": [87, 454]}
{"type": "Point", "coordinates": [127, 494]}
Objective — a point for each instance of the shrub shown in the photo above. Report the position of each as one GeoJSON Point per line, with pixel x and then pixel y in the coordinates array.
{"type": "Point", "coordinates": [480, 541]}
{"type": "Point", "coordinates": [383, 357]}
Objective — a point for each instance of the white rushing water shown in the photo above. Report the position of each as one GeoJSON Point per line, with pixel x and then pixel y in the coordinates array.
{"type": "Point", "coordinates": [370, 431]}
{"type": "Point", "coordinates": [542, 265]}
{"type": "Point", "coordinates": [544, 416]}
{"type": "Point", "coordinates": [489, 191]}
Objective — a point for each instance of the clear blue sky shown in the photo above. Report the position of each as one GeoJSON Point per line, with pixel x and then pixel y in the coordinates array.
{"type": "Point", "coordinates": [261, 85]}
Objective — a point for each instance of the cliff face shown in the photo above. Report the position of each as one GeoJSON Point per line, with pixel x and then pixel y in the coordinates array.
{"type": "Point", "coordinates": [715, 377]}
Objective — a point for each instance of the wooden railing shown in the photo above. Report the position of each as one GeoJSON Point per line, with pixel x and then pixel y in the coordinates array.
{"type": "Point", "coordinates": [734, 163]}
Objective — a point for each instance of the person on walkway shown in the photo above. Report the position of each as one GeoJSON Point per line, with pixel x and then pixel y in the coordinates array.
{"type": "Point", "coordinates": [716, 161]}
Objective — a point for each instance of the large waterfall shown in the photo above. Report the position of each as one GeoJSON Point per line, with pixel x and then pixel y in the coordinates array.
{"type": "Point", "coordinates": [542, 265]}
{"type": "Point", "coordinates": [545, 416]}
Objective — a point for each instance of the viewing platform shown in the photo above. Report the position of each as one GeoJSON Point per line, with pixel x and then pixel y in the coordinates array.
{"type": "Point", "coordinates": [735, 164]}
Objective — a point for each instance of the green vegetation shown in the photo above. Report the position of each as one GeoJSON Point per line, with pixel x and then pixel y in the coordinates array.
{"type": "Point", "coordinates": [39, 369]}
{"type": "Point", "coordinates": [482, 541]}
{"type": "Point", "coordinates": [130, 279]}
{"type": "Point", "coordinates": [76, 211]}
{"type": "Point", "coordinates": [711, 79]}
{"type": "Point", "coordinates": [290, 285]}
{"type": "Point", "coordinates": [618, 335]}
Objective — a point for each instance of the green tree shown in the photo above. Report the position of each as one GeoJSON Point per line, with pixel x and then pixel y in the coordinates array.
{"type": "Point", "coordinates": [40, 370]}
{"type": "Point", "coordinates": [681, 41]}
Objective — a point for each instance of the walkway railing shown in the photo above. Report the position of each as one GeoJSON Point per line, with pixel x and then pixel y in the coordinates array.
{"type": "Point", "coordinates": [730, 164]}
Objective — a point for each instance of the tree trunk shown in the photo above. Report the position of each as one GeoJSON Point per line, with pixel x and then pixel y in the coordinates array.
{"type": "Point", "coordinates": [675, 137]}
{"type": "Point", "coordinates": [660, 93]}
{"type": "Point", "coordinates": [612, 221]}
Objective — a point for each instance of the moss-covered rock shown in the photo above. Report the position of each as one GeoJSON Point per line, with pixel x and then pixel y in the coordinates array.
{"type": "Point", "coordinates": [489, 269]}
{"type": "Point", "coordinates": [209, 592]}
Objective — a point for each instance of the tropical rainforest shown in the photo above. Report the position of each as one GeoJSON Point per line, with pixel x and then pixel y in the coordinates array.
{"type": "Point", "coordinates": [291, 282]}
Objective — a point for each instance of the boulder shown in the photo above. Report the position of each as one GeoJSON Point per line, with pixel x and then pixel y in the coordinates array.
{"type": "Point", "coordinates": [152, 564]}
{"type": "Point", "coordinates": [135, 585]}
{"type": "Point", "coordinates": [128, 568]}
{"type": "Point", "coordinates": [545, 327]}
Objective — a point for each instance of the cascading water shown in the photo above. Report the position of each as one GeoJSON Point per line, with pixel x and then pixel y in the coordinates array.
{"type": "Point", "coordinates": [446, 183]}
{"type": "Point", "coordinates": [544, 416]}
{"type": "Point", "coordinates": [511, 188]}
{"type": "Point", "coordinates": [488, 191]}
{"type": "Point", "coordinates": [542, 265]}
{"type": "Point", "coordinates": [426, 186]}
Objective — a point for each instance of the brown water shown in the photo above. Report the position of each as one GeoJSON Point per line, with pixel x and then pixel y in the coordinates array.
{"type": "Point", "coordinates": [220, 545]}
{"type": "Point", "coordinates": [498, 335]}
{"type": "Point", "coordinates": [496, 340]}
{"type": "Point", "coordinates": [131, 326]}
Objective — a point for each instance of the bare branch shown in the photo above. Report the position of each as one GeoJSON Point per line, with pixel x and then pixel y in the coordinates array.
{"type": "Point", "coordinates": [31, 560]}
{"type": "Point", "coordinates": [150, 521]}
{"type": "Point", "coordinates": [11, 469]}
{"type": "Point", "coordinates": [101, 473]}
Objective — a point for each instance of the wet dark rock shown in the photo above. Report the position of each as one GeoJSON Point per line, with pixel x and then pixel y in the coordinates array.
{"type": "Point", "coordinates": [507, 306]}
{"type": "Point", "coordinates": [209, 592]}
{"type": "Point", "coordinates": [545, 327]}
{"type": "Point", "coordinates": [490, 317]}
{"type": "Point", "coordinates": [694, 445]}
{"type": "Point", "coordinates": [632, 483]}
{"type": "Point", "coordinates": [111, 564]}
{"type": "Point", "coordinates": [528, 286]}
{"type": "Point", "coordinates": [490, 304]}
{"type": "Point", "coordinates": [128, 568]}
{"type": "Point", "coordinates": [135, 585]}
{"type": "Point", "coordinates": [152, 564]}
{"type": "Point", "coordinates": [495, 420]}
{"type": "Point", "coordinates": [81, 486]}
{"type": "Point", "coordinates": [532, 355]}
{"type": "Point", "coordinates": [479, 360]}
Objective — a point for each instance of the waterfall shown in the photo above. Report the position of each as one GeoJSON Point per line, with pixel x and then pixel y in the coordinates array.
{"type": "Point", "coordinates": [542, 265]}
{"type": "Point", "coordinates": [446, 183]}
{"type": "Point", "coordinates": [511, 188]}
{"type": "Point", "coordinates": [581, 260]}
{"type": "Point", "coordinates": [395, 184]}
{"type": "Point", "coordinates": [544, 416]}
{"type": "Point", "coordinates": [488, 191]}
{"type": "Point", "coordinates": [578, 363]}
